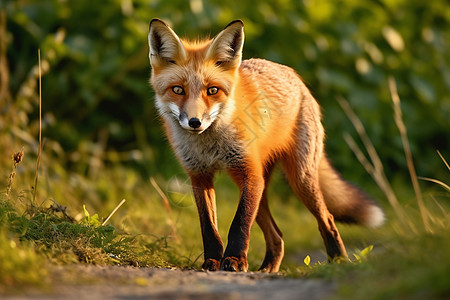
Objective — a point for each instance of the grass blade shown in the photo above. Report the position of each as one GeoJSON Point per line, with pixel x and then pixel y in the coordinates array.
{"type": "Point", "coordinates": [166, 206]}
{"type": "Point", "coordinates": [443, 159]}
{"type": "Point", "coordinates": [445, 186]}
{"type": "Point", "coordinates": [409, 159]}
{"type": "Point", "coordinates": [375, 167]}
{"type": "Point", "coordinates": [40, 130]}
{"type": "Point", "coordinates": [113, 212]}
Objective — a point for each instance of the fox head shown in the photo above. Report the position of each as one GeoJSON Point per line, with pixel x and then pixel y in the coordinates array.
{"type": "Point", "coordinates": [194, 81]}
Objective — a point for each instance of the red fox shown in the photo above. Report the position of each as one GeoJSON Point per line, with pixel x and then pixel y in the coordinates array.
{"type": "Point", "coordinates": [222, 113]}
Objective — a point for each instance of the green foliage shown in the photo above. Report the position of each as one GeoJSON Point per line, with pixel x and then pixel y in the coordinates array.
{"type": "Point", "coordinates": [363, 254]}
{"type": "Point", "coordinates": [88, 220]}
{"type": "Point", "coordinates": [97, 98]}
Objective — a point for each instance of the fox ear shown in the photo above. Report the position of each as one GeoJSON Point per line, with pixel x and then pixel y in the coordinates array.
{"type": "Point", "coordinates": [226, 47]}
{"type": "Point", "coordinates": [165, 46]}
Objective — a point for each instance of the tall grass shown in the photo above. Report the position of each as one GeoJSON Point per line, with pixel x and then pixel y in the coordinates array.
{"type": "Point", "coordinates": [415, 259]}
{"type": "Point", "coordinates": [35, 232]}
{"type": "Point", "coordinates": [408, 155]}
{"type": "Point", "coordinates": [38, 160]}
{"type": "Point", "coordinates": [374, 166]}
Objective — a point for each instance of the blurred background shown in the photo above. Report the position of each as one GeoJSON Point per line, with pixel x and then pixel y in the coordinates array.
{"type": "Point", "coordinates": [102, 136]}
{"type": "Point", "coordinates": [96, 96]}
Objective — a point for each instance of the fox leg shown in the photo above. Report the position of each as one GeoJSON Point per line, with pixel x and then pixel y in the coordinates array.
{"type": "Point", "coordinates": [272, 234]}
{"type": "Point", "coordinates": [306, 187]}
{"type": "Point", "coordinates": [301, 164]}
{"type": "Point", "coordinates": [251, 185]}
{"type": "Point", "coordinates": [205, 199]}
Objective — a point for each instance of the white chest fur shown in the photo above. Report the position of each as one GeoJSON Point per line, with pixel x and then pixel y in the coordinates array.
{"type": "Point", "coordinates": [214, 149]}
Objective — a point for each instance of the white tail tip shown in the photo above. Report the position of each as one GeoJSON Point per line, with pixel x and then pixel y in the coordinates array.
{"type": "Point", "coordinates": [375, 217]}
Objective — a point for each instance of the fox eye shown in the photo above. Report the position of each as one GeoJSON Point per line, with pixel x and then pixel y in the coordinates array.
{"type": "Point", "coordinates": [212, 90]}
{"type": "Point", "coordinates": [178, 90]}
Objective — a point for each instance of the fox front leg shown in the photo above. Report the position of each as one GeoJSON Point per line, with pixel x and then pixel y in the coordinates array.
{"type": "Point", "coordinates": [251, 188]}
{"type": "Point", "coordinates": [205, 199]}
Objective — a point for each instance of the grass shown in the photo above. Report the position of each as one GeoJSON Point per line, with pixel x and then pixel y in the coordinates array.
{"type": "Point", "coordinates": [35, 232]}
{"type": "Point", "coordinates": [412, 267]}
{"type": "Point", "coordinates": [52, 223]}
{"type": "Point", "coordinates": [32, 241]}
{"type": "Point", "coordinates": [35, 236]}
{"type": "Point", "coordinates": [400, 266]}
{"type": "Point", "coordinates": [62, 239]}
{"type": "Point", "coordinates": [412, 259]}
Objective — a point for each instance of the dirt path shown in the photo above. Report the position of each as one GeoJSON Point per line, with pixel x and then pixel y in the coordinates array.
{"type": "Point", "coordinates": [93, 282]}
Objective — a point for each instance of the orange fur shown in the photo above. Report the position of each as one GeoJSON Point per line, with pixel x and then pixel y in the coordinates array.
{"type": "Point", "coordinates": [243, 116]}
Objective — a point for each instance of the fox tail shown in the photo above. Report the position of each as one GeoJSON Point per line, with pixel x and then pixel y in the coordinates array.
{"type": "Point", "coordinates": [346, 202]}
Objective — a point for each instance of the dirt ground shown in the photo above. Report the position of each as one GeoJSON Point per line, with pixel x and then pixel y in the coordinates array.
{"type": "Point", "coordinates": [114, 282]}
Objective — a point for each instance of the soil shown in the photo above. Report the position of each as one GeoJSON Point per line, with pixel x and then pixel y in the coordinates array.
{"type": "Point", "coordinates": [116, 282]}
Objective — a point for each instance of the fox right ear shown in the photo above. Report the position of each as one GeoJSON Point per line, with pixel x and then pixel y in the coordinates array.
{"type": "Point", "coordinates": [165, 46]}
{"type": "Point", "coordinates": [226, 47]}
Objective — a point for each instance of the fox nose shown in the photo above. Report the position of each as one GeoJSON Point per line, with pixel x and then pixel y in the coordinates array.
{"type": "Point", "coordinates": [194, 123]}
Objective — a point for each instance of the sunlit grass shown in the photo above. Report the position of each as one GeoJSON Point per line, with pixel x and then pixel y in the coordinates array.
{"type": "Point", "coordinates": [19, 263]}
{"type": "Point", "coordinates": [143, 228]}
{"type": "Point", "coordinates": [33, 236]}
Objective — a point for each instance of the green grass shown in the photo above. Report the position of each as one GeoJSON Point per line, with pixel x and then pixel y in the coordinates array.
{"type": "Point", "coordinates": [34, 236]}
{"type": "Point", "coordinates": [404, 263]}
{"type": "Point", "coordinates": [412, 267]}
{"type": "Point", "coordinates": [60, 239]}
{"type": "Point", "coordinates": [20, 264]}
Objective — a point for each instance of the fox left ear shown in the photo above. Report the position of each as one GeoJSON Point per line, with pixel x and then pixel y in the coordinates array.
{"type": "Point", "coordinates": [226, 47]}
{"type": "Point", "coordinates": [165, 46]}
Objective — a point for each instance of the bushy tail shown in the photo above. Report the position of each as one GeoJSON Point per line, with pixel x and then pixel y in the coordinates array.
{"type": "Point", "coordinates": [346, 202]}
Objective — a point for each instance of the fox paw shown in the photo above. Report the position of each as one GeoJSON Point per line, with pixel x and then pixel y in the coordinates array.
{"type": "Point", "coordinates": [270, 268]}
{"type": "Point", "coordinates": [234, 264]}
{"type": "Point", "coordinates": [211, 265]}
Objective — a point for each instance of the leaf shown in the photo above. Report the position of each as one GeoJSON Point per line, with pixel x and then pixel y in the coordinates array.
{"type": "Point", "coordinates": [362, 255]}
{"type": "Point", "coordinates": [307, 261]}
{"type": "Point", "coordinates": [94, 220]}
{"type": "Point", "coordinates": [394, 38]}
{"type": "Point", "coordinates": [86, 213]}
{"type": "Point", "coordinates": [366, 251]}
{"type": "Point", "coordinates": [88, 220]}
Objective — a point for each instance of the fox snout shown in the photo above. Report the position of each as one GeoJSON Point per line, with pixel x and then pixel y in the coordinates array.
{"type": "Point", "coordinates": [194, 123]}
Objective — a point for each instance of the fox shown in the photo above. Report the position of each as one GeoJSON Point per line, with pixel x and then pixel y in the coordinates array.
{"type": "Point", "coordinates": [222, 113]}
